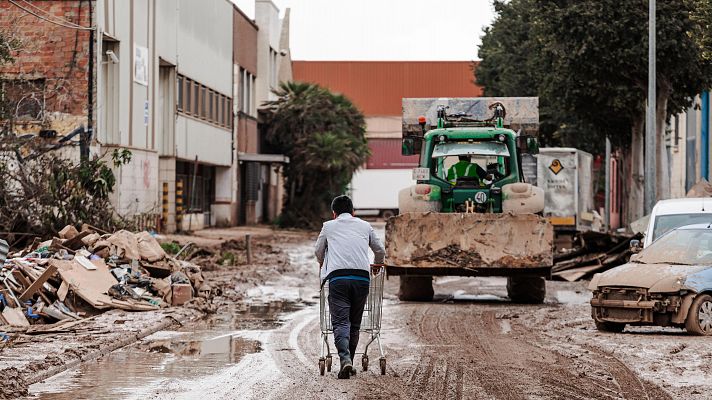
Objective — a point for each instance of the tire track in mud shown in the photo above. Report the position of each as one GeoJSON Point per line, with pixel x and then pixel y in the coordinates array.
{"type": "Point", "coordinates": [472, 347]}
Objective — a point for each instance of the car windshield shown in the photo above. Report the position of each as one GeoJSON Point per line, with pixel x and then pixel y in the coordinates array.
{"type": "Point", "coordinates": [666, 223]}
{"type": "Point", "coordinates": [682, 246]}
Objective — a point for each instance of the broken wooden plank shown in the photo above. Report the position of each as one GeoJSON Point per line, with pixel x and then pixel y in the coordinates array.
{"type": "Point", "coordinates": [62, 292]}
{"type": "Point", "coordinates": [21, 279]}
{"type": "Point", "coordinates": [575, 274]}
{"type": "Point", "coordinates": [132, 305]}
{"type": "Point", "coordinates": [76, 242]}
{"type": "Point", "coordinates": [6, 295]}
{"type": "Point", "coordinates": [15, 317]}
{"type": "Point", "coordinates": [91, 286]}
{"type": "Point", "coordinates": [37, 285]}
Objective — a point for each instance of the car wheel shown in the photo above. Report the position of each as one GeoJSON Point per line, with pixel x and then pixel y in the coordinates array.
{"type": "Point", "coordinates": [613, 327]}
{"type": "Point", "coordinates": [699, 318]}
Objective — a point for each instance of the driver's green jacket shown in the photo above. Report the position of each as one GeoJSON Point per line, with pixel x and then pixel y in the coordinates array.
{"type": "Point", "coordinates": [460, 169]}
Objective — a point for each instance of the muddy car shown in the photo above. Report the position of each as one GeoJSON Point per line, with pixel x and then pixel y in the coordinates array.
{"type": "Point", "coordinates": [669, 283]}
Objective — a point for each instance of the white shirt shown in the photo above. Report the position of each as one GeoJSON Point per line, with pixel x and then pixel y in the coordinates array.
{"type": "Point", "coordinates": [343, 243]}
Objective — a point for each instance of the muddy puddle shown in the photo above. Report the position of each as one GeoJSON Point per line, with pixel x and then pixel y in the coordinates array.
{"type": "Point", "coordinates": [186, 353]}
{"type": "Point", "coordinates": [573, 297]}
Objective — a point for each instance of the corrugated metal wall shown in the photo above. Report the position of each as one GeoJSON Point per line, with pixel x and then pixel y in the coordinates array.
{"type": "Point", "coordinates": [377, 87]}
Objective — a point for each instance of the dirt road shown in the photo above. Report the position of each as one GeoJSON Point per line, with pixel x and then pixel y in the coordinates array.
{"type": "Point", "coordinates": [452, 350]}
{"type": "Point", "coordinates": [471, 343]}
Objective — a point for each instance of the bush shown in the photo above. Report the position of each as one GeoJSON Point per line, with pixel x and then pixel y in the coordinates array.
{"type": "Point", "coordinates": [41, 192]}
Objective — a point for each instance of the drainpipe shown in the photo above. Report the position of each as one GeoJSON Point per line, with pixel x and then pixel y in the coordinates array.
{"type": "Point", "coordinates": [85, 137]}
{"type": "Point", "coordinates": [705, 136]}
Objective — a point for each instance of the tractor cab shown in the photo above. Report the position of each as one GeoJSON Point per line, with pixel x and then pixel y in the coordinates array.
{"type": "Point", "coordinates": [468, 161]}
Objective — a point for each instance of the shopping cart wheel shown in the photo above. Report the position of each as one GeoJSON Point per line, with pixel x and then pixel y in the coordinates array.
{"type": "Point", "coordinates": [328, 364]}
{"type": "Point", "coordinates": [364, 362]}
{"type": "Point", "coordinates": [322, 366]}
{"type": "Point", "coordinates": [382, 361]}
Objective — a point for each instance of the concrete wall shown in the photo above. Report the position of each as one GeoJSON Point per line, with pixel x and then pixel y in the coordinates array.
{"type": "Point", "coordinates": [267, 18]}
{"type": "Point", "coordinates": [204, 43]}
{"type": "Point", "coordinates": [685, 158]}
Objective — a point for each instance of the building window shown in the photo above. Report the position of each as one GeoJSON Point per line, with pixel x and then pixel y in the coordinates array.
{"type": "Point", "coordinates": [25, 98]}
{"type": "Point", "coordinates": [196, 96]}
{"type": "Point", "coordinates": [179, 95]}
{"type": "Point", "coordinates": [229, 119]}
{"type": "Point", "coordinates": [246, 93]}
{"type": "Point", "coordinates": [202, 102]}
{"type": "Point", "coordinates": [188, 96]}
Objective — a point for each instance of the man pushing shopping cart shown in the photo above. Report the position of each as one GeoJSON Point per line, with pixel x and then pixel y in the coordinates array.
{"type": "Point", "coordinates": [342, 252]}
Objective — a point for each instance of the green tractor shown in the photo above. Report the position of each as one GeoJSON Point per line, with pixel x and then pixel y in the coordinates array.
{"type": "Point", "coordinates": [470, 213]}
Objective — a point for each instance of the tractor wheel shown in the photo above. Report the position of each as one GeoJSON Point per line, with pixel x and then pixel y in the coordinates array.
{"type": "Point", "coordinates": [526, 289]}
{"type": "Point", "coordinates": [416, 288]}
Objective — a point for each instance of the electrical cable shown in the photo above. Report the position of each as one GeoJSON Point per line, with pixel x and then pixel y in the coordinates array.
{"type": "Point", "coordinates": [78, 27]}
{"type": "Point", "coordinates": [48, 15]}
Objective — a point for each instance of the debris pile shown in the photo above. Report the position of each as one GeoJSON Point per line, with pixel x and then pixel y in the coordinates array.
{"type": "Point", "coordinates": [594, 252]}
{"type": "Point", "coordinates": [84, 272]}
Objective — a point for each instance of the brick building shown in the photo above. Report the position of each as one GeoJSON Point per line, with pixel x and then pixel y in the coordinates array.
{"type": "Point", "coordinates": [48, 82]}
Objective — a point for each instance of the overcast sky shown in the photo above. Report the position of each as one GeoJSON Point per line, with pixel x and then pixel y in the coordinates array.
{"type": "Point", "coordinates": [384, 29]}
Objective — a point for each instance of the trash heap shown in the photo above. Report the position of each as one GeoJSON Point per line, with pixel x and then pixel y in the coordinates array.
{"type": "Point", "coordinates": [595, 252]}
{"type": "Point", "coordinates": [85, 272]}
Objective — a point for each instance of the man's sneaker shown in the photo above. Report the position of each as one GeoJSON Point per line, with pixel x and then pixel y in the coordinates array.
{"type": "Point", "coordinates": [346, 371]}
{"type": "Point", "coordinates": [353, 371]}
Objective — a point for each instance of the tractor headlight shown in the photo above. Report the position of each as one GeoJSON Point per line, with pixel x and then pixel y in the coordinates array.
{"type": "Point", "coordinates": [501, 138]}
{"type": "Point", "coordinates": [442, 138]}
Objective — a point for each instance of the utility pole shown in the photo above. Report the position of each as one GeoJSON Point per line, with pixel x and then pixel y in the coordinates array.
{"type": "Point", "coordinates": [650, 134]}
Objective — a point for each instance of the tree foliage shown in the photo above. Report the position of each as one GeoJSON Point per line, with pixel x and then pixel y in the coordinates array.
{"type": "Point", "coordinates": [322, 133]}
{"type": "Point", "coordinates": [42, 192]}
{"type": "Point", "coordinates": [587, 61]}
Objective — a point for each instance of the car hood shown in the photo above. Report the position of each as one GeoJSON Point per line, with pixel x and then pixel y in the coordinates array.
{"type": "Point", "coordinates": [656, 277]}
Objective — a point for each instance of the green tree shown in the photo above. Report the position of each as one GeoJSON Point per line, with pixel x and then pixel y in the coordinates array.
{"type": "Point", "coordinates": [322, 133]}
{"type": "Point", "coordinates": [587, 61]}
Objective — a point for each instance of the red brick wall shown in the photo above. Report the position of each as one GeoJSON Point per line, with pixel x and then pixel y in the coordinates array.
{"type": "Point", "coordinates": [55, 56]}
{"type": "Point", "coordinates": [244, 41]}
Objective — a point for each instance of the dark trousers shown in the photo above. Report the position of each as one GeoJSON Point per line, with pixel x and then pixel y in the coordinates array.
{"type": "Point", "coordinates": [347, 298]}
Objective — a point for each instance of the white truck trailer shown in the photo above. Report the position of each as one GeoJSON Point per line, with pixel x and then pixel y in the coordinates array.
{"type": "Point", "coordinates": [375, 191]}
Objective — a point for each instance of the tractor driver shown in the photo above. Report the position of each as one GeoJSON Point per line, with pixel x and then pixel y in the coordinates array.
{"type": "Point", "coordinates": [464, 168]}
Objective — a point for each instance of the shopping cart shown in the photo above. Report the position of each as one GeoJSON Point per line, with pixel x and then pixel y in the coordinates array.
{"type": "Point", "coordinates": [370, 323]}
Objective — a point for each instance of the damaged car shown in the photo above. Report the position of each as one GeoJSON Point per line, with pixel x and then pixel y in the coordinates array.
{"type": "Point", "coordinates": [669, 283]}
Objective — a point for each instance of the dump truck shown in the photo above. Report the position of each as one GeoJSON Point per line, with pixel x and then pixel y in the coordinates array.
{"type": "Point", "coordinates": [487, 223]}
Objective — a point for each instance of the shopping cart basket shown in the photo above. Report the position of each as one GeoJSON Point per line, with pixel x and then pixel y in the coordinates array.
{"type": "Point", "coordinates": [370, 322]}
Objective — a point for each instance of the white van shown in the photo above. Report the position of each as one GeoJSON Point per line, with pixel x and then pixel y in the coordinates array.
{"type": "Point", "coordinates": [674, 213]}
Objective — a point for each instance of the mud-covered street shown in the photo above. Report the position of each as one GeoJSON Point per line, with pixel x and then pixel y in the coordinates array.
{"type": "Point", "coordinates": [471, 342]}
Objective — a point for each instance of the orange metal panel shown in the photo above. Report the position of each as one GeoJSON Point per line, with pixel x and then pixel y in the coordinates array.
{"type": "Point", "coordinates": [377, 87]}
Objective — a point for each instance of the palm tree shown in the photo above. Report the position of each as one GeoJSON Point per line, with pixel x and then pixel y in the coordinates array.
{"type": "Point", "coordinates": [322, 133]}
